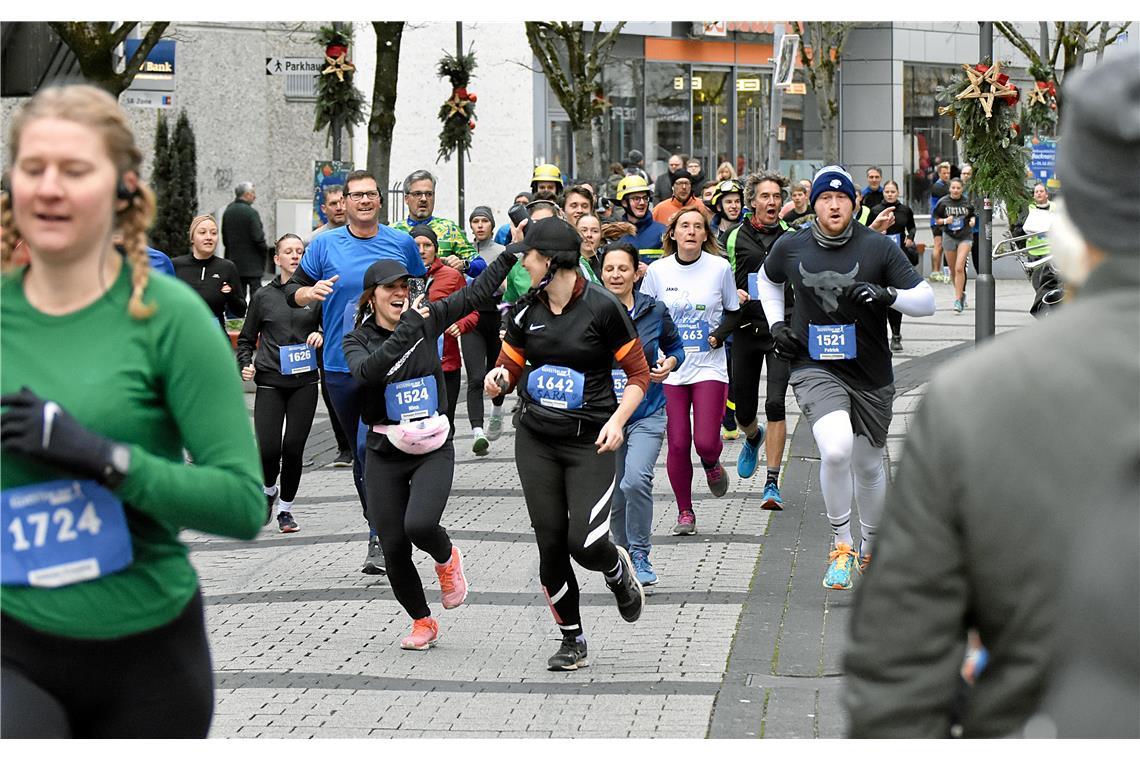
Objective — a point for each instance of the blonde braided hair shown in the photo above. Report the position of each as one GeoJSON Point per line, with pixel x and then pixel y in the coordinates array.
{"type": "Point", "coordinates": [97, 109]}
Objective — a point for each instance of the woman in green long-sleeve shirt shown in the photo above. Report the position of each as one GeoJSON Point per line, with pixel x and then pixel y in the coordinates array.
{"type": "Point", "coordinates": [107, 375]}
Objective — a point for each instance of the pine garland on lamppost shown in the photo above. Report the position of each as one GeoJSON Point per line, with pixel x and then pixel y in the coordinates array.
{"type": "Point", "coordinates": [457, 114]}
{"type": "Point", "coordinates": [339, 103]}
{"type": "Point", "coordinates": [983, 104]}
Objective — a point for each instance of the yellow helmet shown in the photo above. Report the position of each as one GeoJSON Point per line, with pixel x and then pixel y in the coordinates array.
{"type": "Point", "coordinates": [632, 183]}
{"type": "Point", "coordinates": [546, 173]}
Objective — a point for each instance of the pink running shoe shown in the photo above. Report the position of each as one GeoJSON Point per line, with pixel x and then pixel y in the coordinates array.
{"type": "Point", "coordinates": [425, 631]}
{"type": "Point", "coordinates": [452, 581]}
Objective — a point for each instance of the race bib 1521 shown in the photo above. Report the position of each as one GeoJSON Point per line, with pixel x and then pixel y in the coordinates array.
{"type": "Point", "coordinates": [62, 532]}
{"type": "Point", "coordinates": [831, 342]}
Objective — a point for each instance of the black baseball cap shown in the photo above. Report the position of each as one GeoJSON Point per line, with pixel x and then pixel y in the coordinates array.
{"type": "Point", "coordinates": [383, 272]}
{"type": "Point", "coordinates": [547, 235]}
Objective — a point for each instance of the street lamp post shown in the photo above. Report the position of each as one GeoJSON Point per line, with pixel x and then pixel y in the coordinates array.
{"type": "Point", "coordinates": [984, 290]}
{"type": "Point", "coordinates": [459, 156]}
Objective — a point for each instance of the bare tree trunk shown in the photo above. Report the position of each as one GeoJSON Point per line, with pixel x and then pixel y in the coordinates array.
{"type": "Point", "coordinates": [827, 102]}
{"type": "Point", "coordinates": [94, 43]}
{"type": "Point", "coordinates": [825, 40]}
{"type": "Point", "coordinates": [1102, 41]}
{"type": "Point", "coordinates": [382, 121]}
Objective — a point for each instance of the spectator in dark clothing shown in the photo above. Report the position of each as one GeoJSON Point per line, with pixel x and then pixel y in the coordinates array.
{"type": "Point", "coordinates": [663, 187]}
{"type": "Point", "coordinates": [244, 238]}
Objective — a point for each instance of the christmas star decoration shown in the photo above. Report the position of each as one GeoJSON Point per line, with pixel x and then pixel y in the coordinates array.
{"type": "Point", "coordinates": [338, 66]}
{"type": "Point", "coordinates": [992, 77]}
{"type": "Point", "coordinates": [1037, 95]}
{"type": "Point", "coordinates": [457, 107]}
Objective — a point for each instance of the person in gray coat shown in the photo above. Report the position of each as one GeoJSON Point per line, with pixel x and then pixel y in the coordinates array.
{"type": "Point", "coordinates": [1014, 450]}
{"type": "Point", "coordinates": [244, 238]}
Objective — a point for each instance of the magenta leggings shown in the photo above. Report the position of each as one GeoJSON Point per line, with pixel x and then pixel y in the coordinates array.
{"type": "Point", "coordinates": [706, 399]}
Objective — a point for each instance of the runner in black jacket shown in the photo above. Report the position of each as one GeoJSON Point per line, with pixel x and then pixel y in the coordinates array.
{"type": "Point", "coordinates": [748, 246]}
{"type": "Point", "coordinates": [410, 460]}
{"type": "Point", "coordinates": [569, 423]}
{"type": "Point", "coordinates": [215, 279]}
{"type": "Point", "coordinates": [902, 232]}
{"type": "Point", "coordinates": [286, 374]}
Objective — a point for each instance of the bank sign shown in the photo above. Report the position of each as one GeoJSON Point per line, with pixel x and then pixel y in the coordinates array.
{"type": "Point", "coordinates": [153, 85]}
{"type": "Point", "coordinates": [157, 71]}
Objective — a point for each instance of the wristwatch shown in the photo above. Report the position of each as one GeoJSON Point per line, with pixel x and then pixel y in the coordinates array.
{"type": "Point", "coordinates": [117, 466]}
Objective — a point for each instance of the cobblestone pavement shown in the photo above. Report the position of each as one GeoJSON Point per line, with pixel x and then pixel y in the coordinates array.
{"type": "Point", "coordinates": [738, 640]}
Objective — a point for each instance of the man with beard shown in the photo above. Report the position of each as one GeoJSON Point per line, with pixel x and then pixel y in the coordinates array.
{"type": "Point", "coordinates": [845, 277]}
{"type": "Point", "coordinates": [454, 249]}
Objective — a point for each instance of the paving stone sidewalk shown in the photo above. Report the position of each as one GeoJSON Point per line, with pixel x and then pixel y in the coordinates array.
{"type": "Point", "coordinates": [738, 640]}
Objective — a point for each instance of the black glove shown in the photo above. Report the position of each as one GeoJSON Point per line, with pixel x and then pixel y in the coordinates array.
{"type": "Point", "coordinates": [788, 347]}
{"type": "Point", "coordinates": [43, 431]}
{"type": "Point", "coordinates": [868, 293]}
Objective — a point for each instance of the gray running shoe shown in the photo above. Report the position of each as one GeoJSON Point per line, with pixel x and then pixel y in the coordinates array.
{"type": "Point", "coordinates": [495, 427]}
{"type": "Point", "coordinates": [374, 562]}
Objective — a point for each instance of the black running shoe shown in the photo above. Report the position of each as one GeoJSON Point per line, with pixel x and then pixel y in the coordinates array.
{"type": "Point", "coordinates": [286, 523]}
{"type": "Point", "coordinates": [570, 656]}
{"type": "Point", "coordinates": [269, 502]}
{"type": "Point", "coordinates": [374, 562]}
{"type": "Point", "coordinates": [343, 459]}
{"type": "Point", "coordinates": [896, 344]}
{"type": "Point", "coordinates": [627, 589]}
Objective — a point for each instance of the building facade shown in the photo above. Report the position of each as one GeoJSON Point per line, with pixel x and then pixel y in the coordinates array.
{"type": "Point", "coordinates": [669, 88]}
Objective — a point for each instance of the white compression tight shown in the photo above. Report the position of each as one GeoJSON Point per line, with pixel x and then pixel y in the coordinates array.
{"type": "Point", "coordinates": [845, 457]}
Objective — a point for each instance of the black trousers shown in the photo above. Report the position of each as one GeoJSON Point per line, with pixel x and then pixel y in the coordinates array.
{"type": "Point", "coordinates": [249, 286]}
{"type": "Point", "coordinates": [293, 408]}
{"type": "Point", "coordinates": [406, 498]}
{"type": "Point", "coordinates": [480, 349]}
{"type": "Point", "coordinates": [451, 382]}
{"type": "Point", "coordinates": [158, 684]}
{"type": "Point", "coordinates": [749, 350]}
{"type": "Point", "coordinates": [568, 486]}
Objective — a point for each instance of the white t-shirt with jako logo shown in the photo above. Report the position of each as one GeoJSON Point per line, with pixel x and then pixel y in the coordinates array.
{"type": "Point", "coordinates": [697, 295]}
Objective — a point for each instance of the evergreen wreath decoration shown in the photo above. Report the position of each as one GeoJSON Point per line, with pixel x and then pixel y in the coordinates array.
{"type": "Point", "coordinates": [1039, 112]}
{"type": "Point", "coordinates": [457, 114]}
{"type": "Point", "coordinates": [338, 100]}
{"type": "Point", "coordinates": [983, 104]}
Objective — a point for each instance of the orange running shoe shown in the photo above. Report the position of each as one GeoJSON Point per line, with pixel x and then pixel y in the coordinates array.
{"type": "Point", "coordinates": [452, 581]}
{"type": "Point", "coordinates": [425, 631]}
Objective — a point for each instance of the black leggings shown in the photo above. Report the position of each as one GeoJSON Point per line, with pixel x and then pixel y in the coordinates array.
{"type": "Point", "coordinates": [894, 319]}
{"type": "Point", "coordinates": [749, 351]}
{"type": "Point", "coordinates": [293, 408]}
{"type": "Point", "coordinates": [728, 420]}
{"type": "Point", "coordinates": [568, 486]}
{"type": "Point", "coordinates": [157, 684]}
{"type": "Point", "coordinates": [451, 382]}
{"type": "Point", "coordinates": [480, 349]}
{"type": "Point", "coordinates": [406, 497]}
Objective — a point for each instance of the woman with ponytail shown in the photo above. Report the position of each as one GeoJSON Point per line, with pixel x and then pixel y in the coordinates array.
{"type": "Point", "coordinates": [213, 278]}
{"type": "Point", "coordinates": [106, 375]}
{"type": "Point", "coordinates": [570, 423]}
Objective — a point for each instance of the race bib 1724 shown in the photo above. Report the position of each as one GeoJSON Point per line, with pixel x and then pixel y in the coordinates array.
{"type": "Point", "coordinates": [62, 532]}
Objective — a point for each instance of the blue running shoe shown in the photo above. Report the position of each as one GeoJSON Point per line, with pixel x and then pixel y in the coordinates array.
{"type": "Point", "coordinates": [642, 569]}
{"type": "Point", "coordinates": [772, 498]}
{"type": "Point", "coordinates": [843, 562]}
{"type": "Point", "coordinates": [749, 455]}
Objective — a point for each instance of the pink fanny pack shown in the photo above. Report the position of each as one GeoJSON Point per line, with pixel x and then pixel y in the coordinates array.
{"type": "Point", "coordinates": [419, 436]}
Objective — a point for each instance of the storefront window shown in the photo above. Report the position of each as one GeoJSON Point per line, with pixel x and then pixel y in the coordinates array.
{"type": "Point", "coordinates": [666, 113]}
{"type": "Point", "coordinates": [561, 139]}
{"type": "Point", "coordinates": [929, 137]}
{"type": "Point", "coordinates": [712, 131]}
{"type": "Point", "coordinates": [752, 95]}
{"type": "Point", "coordinates": [621, 83]}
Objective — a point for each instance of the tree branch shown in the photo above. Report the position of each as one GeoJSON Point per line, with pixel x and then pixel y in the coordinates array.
{"type": "Point", "coordinates": [1010, 32]}
{"type": "Point", "coordinates": [121, 33]}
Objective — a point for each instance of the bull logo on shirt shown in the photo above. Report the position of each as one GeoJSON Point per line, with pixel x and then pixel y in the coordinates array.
{"type": "Point", "coordinates": [828, 285]}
